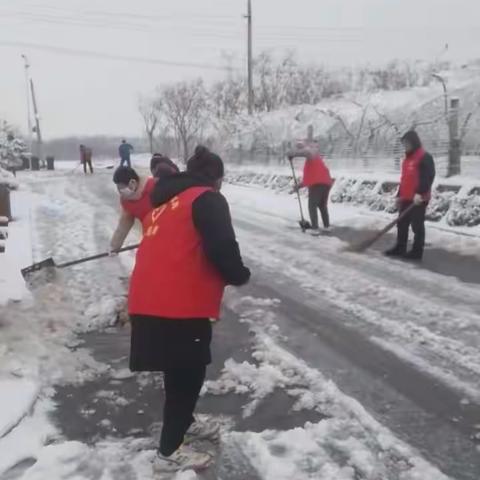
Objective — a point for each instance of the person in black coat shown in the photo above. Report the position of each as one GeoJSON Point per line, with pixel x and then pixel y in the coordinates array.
{"type": "Point", "coordinates": [189, 246]}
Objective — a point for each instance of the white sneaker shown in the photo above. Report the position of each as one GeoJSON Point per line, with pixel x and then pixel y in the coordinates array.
{"type": "Point", "coordinates": [327, 229]}
{"type": "Point", "coordinates": [184, 458]}
{"type": "Point", "coordinates": [315, 232]}
{"type": "Point", "coordinates": [202, 429]}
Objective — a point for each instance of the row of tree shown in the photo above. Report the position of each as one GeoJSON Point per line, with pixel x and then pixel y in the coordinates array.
{"type": "Point", "coordinates": [178, 115]}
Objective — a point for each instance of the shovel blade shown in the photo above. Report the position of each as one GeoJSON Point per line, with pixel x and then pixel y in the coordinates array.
{"type": "Point", "coordinates": [304, 225]}
{"type": "Point", "coordinates": [44, 264]}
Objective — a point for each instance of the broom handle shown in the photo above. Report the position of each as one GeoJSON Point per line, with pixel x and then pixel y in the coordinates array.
{"type": "Point", "coordinates": [382, 232]}
{"type": "Point", "coordinates": [96, 257]}
{"type": "Point", "coordinates": [297, 188]}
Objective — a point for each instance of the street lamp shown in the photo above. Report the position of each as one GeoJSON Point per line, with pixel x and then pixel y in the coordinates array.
{"type": "Point", "coordinates": [438, 77]}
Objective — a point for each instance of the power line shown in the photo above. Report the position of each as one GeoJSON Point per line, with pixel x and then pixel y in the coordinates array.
{"type": "Point", "coordinates": [123, 58]}
{"type": "Point", "coordinates": [269, 33]}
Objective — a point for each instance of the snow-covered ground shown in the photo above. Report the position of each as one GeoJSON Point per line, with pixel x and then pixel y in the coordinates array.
{"type": "Point", "coordinates": [425, 318]}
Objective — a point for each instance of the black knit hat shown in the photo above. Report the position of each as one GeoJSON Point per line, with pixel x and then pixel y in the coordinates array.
{"type": "Point", "coordinates": [123, 175]}
{"type": "Point", "coordinates": [413, 139]}
{"type": "Point", "coordinates": [206, 164]}
{"type": "Point", "coordinates": [161, 165]}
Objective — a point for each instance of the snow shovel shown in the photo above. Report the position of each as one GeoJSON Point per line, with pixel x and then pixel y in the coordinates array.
{"type": "Point", "coordinates": [304, 224]}
{"type": "Point", "coordinates": [49, 263]}
{"type": "Point", "coordinates": [364, 244]}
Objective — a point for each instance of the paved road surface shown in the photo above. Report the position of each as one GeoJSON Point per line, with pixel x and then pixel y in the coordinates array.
{"type": "Point", "coordinates": [417, 407]}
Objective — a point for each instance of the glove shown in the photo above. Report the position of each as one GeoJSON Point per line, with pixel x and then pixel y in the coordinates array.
{"type": "Point", "coordinates": [112, 253]}
{"type": "Point", "coordinates": [417, 199]}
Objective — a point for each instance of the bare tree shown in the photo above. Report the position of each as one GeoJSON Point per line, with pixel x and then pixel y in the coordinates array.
{"type": "Point", "coordinates": [150, 114]}
{"type": "Point", "coordinates": [184, 106]}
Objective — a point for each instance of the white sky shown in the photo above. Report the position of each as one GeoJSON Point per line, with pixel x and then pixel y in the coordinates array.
{"type": "Point", "coordinates": [82, 95]}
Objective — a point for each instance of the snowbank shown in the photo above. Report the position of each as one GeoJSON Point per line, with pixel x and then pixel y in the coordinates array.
{"type": "Point", "coordinates": [455, 201]}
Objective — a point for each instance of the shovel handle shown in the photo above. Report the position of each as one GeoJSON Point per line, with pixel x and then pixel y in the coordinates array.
{"type": "Point", "coordinates": [96, 257]}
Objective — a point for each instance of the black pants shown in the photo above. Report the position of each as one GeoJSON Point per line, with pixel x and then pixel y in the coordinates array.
{"type": "Point", "coordinates": [182, 389]}
{"type": "Point", "coordinates": [89, 162]}
{"type": "Point", "coordinates": [318, 199]}
{"type": "Point", "coordinates": [415, 219]}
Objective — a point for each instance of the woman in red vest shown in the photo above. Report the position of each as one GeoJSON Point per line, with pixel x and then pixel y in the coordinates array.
{"type": "Point", "coordinates": [134, 199]}
{"type": "Point", "coordinates": [188, 255]}
{"type": "Point", "coordinates": [135, 194]}
{"type": "Point", "coordinates": [316, 177]}
{"type": "Point", "coordinates": [418, 174]}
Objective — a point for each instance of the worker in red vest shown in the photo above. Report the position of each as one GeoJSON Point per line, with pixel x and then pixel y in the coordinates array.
{"type": "Point", "coordinates": [316, 177]}
{"type": "Point", "coordinates": [188, 255]}
{"type": "Point", "coordinates": [135, 201]}
{"type": "Point", "coordinates": [418, 174]}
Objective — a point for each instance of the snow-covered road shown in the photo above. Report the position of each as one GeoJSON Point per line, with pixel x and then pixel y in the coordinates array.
{"type": "Point", "coordinates": [382, 357]}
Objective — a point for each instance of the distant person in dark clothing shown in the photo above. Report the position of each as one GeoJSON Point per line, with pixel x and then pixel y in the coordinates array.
{"type": "Point", "coordinates": [125, 150]}
{"type": "Point", "coordinates": [316, 177]}
{"type": "Point", "coordinates": [161, 165]}
{"type": "Point", "coordinates": [188, 255]}
{"type": "Point", "coordinates": [418, 174]}
{"type": "Point", "coordinates": [86, 158]}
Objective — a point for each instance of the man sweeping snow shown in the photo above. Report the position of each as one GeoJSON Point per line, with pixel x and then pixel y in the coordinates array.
{"type": "Point", "coordinates": [418, 174]}
{"type": "Point", "coordinates": [316, 177]}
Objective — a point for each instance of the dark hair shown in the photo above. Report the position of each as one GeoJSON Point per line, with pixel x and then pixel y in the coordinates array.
{"type": "Point", "coordinates": [123, 175]}
{"type": "Point", "coordinates": [160, 165]}
{"type": "Point", "coordinates": [206, 164]}
{"type": "Point", "coordinates": [413, 139]}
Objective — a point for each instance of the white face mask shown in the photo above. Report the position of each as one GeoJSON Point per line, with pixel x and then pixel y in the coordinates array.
{"type": "Point", "coordinates": [127, 193]}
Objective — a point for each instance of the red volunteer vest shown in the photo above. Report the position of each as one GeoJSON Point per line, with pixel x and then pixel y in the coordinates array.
{"type": "Point", "coordinates": [315, 172]}
{"type": "Point", "coordinates": [172, 277]}
{"type": "Point", "coordinates": [139, 208]}
{"type": "Point", "coordinates": [411, 175]}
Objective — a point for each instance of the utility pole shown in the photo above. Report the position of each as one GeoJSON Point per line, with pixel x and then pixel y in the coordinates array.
{"type": "Point", "coordinates": [250, 57]}
{"type": "Point", "coordinates": [37, 124]}
{"type": "Point", "coordinates": [29, 112]}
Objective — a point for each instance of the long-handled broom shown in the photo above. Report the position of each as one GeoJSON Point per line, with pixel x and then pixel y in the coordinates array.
{"type": "Point", "coordinates": [368, 242]}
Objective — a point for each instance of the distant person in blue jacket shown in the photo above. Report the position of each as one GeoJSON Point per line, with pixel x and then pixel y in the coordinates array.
{"type": "Point", "coordinates": [125, 150]}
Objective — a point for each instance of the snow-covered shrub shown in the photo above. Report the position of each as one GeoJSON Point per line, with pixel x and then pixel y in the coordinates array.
{"type": "Point", "coordinates": [7, 178]}
{"type": "Point", "coordinates": [366, 193]}
{"type": "Point", "coordinates": [342, 190]}
{"type": "Point", "coordinates": [439, 205]}
{"type": "Point", "coordinates": [465, 211]}
{"type": "Point", "coordinates": [12, 148]}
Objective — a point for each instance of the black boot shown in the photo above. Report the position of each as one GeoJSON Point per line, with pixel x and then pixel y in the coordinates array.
{"type": "Point", "coordinates": [414, 255]}
{"type": "Point", "coordinates": [396, 251]}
